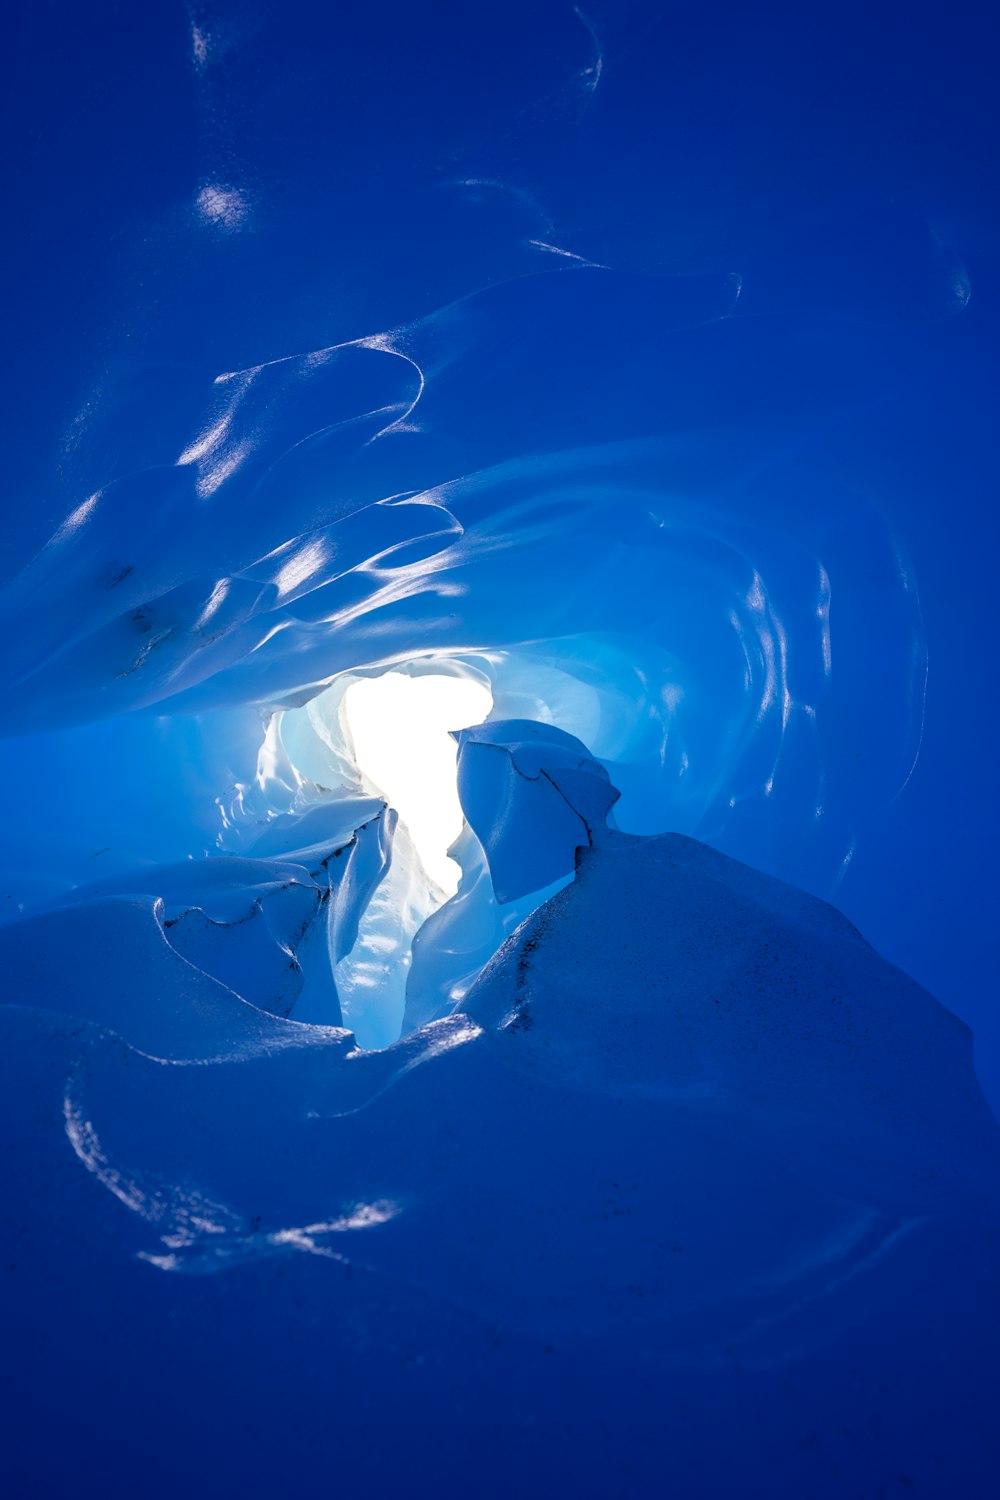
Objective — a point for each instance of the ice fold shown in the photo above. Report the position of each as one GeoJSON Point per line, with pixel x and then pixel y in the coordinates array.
{"type": "Point", "coordinates": [181, 960]}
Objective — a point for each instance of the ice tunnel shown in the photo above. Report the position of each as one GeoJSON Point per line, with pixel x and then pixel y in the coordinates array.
{"type": "Point", "coordinates": [496, 914]}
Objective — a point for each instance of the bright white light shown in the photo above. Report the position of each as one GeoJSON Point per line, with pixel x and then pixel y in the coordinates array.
{"type": "Point", "coordinates": [223, 206]}
{"type": "Point", "coordinates": [399, 726]}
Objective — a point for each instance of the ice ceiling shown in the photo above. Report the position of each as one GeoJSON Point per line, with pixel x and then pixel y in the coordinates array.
{"type": "Point", "coordinates": [332, 361]}
{"type": "Point", "coordinates": [699, 609]}
{"type": "Point", "coordinates": [621, 375]}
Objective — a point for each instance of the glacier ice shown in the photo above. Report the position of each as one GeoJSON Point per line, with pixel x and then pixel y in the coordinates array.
{"type": "Point", "coordinates": [623, 1126]}
{"type": "Point", "coordinates": [411, 500]}
{"type": "Point", "coordinates": [687, 1145]}
{"type": "Point", "coordinates": [630, 365]}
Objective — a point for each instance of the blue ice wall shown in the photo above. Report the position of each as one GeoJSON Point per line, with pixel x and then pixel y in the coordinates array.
{"type": "Point", "coordinates": [638, 360]}
{"type": "Point", "coordinates": [662, 316]}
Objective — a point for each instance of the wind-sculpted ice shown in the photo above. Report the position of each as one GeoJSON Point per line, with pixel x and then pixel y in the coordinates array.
{"type": "Point", "coordinates": [623, 1128]}
{"type": "Point", "coordinates": [687, 1146]}
{"type": "Point", "coordinates": [650, 563]}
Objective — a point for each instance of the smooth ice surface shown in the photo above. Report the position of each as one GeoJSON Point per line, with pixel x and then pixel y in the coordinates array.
{"type": "Point", "coordinates": [631, 365]}
{"type": "Point", "coordinates": [690, 1146]}
{"type": "Point", "coordinates": [533, 795]}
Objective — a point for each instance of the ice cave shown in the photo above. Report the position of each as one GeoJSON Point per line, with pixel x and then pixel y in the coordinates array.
{"type": "Point", "coordinates": [497, 920]}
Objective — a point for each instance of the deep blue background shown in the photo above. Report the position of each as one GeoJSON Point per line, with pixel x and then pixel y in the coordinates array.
{"type": "Point", "coordinates": [389, 158]}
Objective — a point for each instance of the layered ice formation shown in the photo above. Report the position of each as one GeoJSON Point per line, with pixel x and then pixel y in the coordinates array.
{"type": "Point", "coordinates": [621, 1125]}
{"type": "Point", "coordinates": [666, 598]}
{"type": "Point", "coordinates": [468, 472]}
{"type": "Point", "coordinates": [203, 624]}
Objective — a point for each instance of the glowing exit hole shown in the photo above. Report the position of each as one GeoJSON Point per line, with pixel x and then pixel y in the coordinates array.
{"type": "Point", "coordinates": [399, 725]}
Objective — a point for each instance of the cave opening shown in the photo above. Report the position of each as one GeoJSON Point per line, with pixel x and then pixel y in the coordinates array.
{"type": "Point", "coordinates": [400, 727]}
